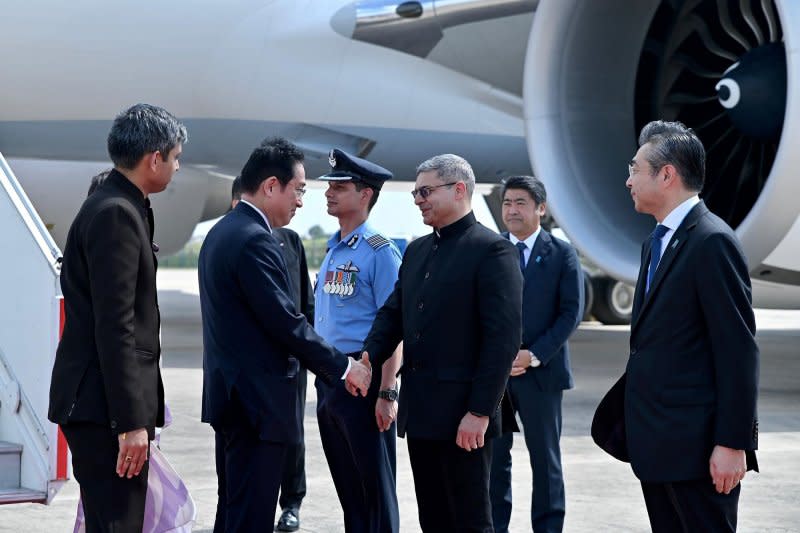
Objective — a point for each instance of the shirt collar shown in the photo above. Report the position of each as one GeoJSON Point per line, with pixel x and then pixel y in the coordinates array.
{"type": "Point", "coordinates": [459, 226]}
{"type": "Point", "coordinates": [260, 212]}
{"type": "Point", "coordinates": [530, 241]}
{"type": "Point", "coordinates": [676, 216]}
{"type": "Point", "coordinates": [351, 239]}
{"type": "Point", "coordinates": [127, 187]}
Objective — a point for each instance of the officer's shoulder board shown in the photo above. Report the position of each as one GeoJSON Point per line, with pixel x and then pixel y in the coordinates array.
{"type": "Point", "coordinates": [377, 241]}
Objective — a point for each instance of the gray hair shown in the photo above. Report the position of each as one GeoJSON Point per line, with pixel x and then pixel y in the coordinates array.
{"type": "Point", "coordinates": [143, 129]}
{"type": "Point", "coordinates": [450, 167]}
{"type": "Point", "coordinates": [674, 144]}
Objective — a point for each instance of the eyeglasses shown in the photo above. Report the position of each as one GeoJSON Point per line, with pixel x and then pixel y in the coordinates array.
{"type": "Point", "coordinates": [426, 191]}
{"type": "Point", "coordinates": [299, 193]}
{"type": "Point", "coordinates": [633, 170]}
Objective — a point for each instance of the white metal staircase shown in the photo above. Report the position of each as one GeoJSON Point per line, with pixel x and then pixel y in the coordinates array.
{"type": "Point", "coordinates": [33, 455]}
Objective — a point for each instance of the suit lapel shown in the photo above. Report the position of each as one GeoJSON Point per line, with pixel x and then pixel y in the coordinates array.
{"type": "Point", "coordinates": [251, 212]}
{"type": "Point", "coordinates": [541, 249]}
{"type": "Point", "coordinates": [676, 244]}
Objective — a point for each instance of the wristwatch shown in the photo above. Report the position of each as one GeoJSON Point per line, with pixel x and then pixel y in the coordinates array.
{"type": "Point", "coordinates": [388, 394]}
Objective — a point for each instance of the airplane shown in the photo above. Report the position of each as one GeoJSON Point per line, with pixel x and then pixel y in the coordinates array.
{"type": "Point", "coordinates": [558, 88]}
{"type": "Point", "coordinates": [554, 87]}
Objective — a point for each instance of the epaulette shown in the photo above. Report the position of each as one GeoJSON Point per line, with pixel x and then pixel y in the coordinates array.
{"type": "Point", "coordinates": [377, 241]}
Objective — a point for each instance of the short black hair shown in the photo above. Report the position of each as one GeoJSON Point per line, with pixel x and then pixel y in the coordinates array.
{"type": "Point", "coordinates": [143, 129]}
{"type": "Point", "coordinates": [360, 186]}
{"type": "Point", "coordinates": [236, 188]}
{"type": "Point", "coordinates": [532, 185]}
{"type": "Point", "coordinates": [97, 180]}
{"type": "Point", "coordinates": [675, 144]}
{"type": "Point", "coordinates": [273, 157]}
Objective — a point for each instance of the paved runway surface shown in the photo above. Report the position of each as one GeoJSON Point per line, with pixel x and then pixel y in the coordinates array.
{"type": "Point", "coordinates": [602, 494]}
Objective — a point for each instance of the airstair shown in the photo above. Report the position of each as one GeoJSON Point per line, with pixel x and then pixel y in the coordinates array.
{"type": "Point", "coordinates": [33, 454]}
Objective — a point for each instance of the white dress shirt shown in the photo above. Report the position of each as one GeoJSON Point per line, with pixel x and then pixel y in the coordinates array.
{"type": "Point", "coordinates": [260, 212]}
{"type": "Point", "coordinates": [529, 242]}
{"type": "Point", "coordinates": [674, 219]}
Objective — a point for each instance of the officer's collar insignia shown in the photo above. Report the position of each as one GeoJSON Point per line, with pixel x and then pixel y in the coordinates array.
{"type": "Point", "coordinates": [348, 267]}
{"type": "Point", "coordinates": [332, 159]}
{"type": "Point", "coordinates": [353, 240]}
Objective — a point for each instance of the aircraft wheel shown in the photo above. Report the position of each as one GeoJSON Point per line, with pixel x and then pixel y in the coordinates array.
{"type": "Point", "coordinates": [613, 303]}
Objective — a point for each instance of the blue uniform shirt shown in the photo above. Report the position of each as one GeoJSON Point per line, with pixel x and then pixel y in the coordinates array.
{"type": "Point", "coordinates": [355, 279]}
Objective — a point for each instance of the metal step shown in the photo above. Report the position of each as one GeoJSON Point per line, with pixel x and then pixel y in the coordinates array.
{"type": "Point", "coordinates": [20, 495]}
{"type": "Point", "coordinates": [10, 455]}
{"type": "Point", "coordinates": [10, 491]}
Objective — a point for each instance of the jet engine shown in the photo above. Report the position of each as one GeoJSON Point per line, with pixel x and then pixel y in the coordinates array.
{"type": "Point", "coordinates": [596, 72]}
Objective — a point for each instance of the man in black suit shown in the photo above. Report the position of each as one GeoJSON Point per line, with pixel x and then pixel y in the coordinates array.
{"type": "Point", "coordinates": [106, 391]}
{"type": "Point", "coordinates": [691, 382]}
{"type": "Point", "coordinates": [293, 482]}
{"type": "Point", "coordinates": [551, 310]}
{"type": "Point", "coordinates": [254, 340]}
{"type": "Point", "coordinates": [457, 308]}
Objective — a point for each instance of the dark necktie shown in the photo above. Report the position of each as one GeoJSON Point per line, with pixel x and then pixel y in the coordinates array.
{"type": "Point", "coordinates": [655, 252]}
{"type": "Point", "coordinates": [521, 247]}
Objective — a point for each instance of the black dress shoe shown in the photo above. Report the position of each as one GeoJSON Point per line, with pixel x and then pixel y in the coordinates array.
{"type": "Point", "coordinates": [289, 521]}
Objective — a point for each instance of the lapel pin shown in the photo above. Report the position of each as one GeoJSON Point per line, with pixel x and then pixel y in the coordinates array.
{"type": "Point", "coordinates": [675, 243]}
{"type": "Point", "coordinates": [538, 258]}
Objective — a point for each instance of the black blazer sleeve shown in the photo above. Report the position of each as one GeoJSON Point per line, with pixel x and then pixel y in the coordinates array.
{"type": "Point", "coordinates": [113, 246]}
{"type": "Point", "coordinates": [725, 297]}
{"type": "Point", "coordinates": [262, 274]}
{"type": "Point", "coordinates": [500, 310]}
{"type": "Point", "coordinates": [387, 328]}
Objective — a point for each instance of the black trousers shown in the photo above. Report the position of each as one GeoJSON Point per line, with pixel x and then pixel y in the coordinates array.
{"type": "Point", "coordinates": [293, 482]}
{"type": "Point", "coordinates": [248, 477]}
{"type": "Point", "coordinates": [452, 486]}
{"type": "Point", "coordinates": [111, 504]}
{"type": "Point", "coordinates": [361, 458]}
{"type": "Point", "coordinates": [690, 506]}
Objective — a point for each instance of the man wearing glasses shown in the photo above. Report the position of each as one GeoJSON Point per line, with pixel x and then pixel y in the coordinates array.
{"type": "Point", "coordinates": [356, 277]}
{"type": "Point", "coordinates": [254, 340]}
{"type": "Point", "coordinates": [293, 482]}
{"type": "Point", "coordinates": [457, 307]}
{"type": "Point", "coordinates": [686, 405]}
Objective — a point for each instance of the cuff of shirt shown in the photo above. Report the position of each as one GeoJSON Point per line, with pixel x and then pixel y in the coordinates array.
{"type": "Point", "coordinates": [347, 370]}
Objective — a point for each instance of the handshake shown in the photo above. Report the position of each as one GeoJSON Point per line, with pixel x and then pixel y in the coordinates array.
{"type": "Point", "coordinates": [359, 377]}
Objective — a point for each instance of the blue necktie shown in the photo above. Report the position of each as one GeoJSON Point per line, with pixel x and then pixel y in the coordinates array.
{"type": "Point", "coordinates": [655, 253]}
{"type": "Point", "coordinates": [521, 247]}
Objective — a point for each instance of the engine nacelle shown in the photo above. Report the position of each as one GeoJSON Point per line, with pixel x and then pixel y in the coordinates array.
{"type": "Point", "coordinates": [589, 86]}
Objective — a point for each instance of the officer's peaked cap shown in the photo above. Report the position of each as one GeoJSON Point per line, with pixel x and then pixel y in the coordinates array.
{"type": "Point", "coordinates": [346, 167]}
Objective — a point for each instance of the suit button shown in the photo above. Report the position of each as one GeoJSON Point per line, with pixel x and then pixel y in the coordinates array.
{"type": "Point", "coordinates": [416, 335]}
{"type": "Point", "coordinates": [420, 306]}
{"type": "Point", "coordinates": [113, 424]}
{"type": "Point", "coordinates": [633, 351]}
{"type": "Point", "coordinates": [427, 275]}
{"type": "Point", "coordinates": [435, 247]}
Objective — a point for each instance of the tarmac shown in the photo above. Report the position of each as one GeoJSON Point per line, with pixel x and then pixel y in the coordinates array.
{"type": "Point", "coordinates": [602, 493]}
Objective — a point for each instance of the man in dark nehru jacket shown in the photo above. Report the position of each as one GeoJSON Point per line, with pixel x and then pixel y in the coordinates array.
{"type": "Point", "coordinates": [457, 308]}
{"type": "Point", "coordinates": [106, 391]}
{"type": "Point", "coordinates": [356, 277]}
